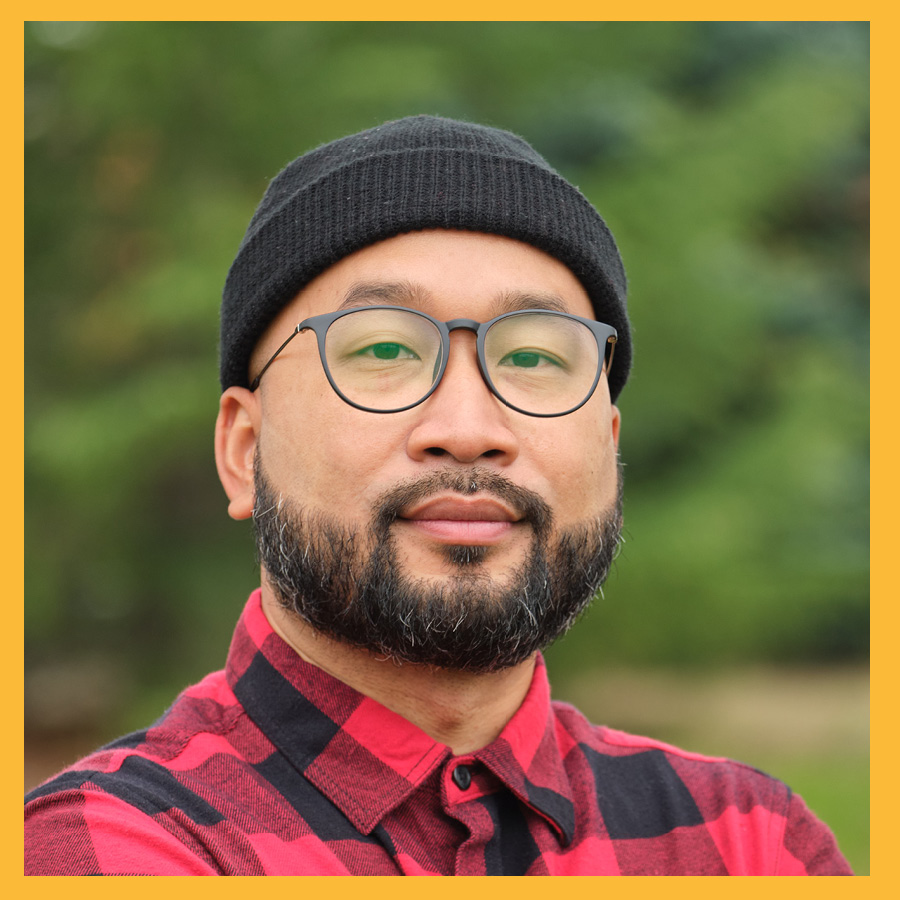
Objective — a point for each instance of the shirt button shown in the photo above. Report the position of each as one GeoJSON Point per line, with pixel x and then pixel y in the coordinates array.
{"type": "Point", "coordinates": [462, 777]}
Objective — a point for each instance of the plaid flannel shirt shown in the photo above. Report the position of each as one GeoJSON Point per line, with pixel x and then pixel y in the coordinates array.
{"type": "Point", "coordinates": [273, 767]}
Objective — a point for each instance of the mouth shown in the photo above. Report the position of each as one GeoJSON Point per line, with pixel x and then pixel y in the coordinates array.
{"type": "Point", "coordinates": [462, 520]}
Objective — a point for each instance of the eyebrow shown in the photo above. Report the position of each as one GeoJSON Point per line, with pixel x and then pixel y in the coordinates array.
{"type": "Point", "coordinates": [395, 293]}
{"type": "Point", "coordinates": [406, 293]}
{"type": "Point", "coordinates": [513, 301]}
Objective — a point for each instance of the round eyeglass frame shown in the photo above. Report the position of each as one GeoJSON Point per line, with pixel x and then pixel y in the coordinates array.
{"type": "Point", "coordinates": [604, 335]}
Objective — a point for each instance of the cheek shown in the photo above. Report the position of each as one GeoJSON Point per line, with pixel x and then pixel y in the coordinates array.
{"type": "Point", "coordinates": [581, 470]}
{"type": "Point", "coordinates": [329, 456]}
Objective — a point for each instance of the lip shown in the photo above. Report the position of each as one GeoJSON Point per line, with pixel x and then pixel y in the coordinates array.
{"type": "Point", "coordinates": [462, 520]}
{"type": "Point", "coordinates": [461, 509]}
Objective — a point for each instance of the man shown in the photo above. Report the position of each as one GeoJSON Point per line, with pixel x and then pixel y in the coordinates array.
{"type": "Point", "coordinates": [423, 337]}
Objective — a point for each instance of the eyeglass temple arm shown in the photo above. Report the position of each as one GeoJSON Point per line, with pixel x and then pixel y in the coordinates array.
{"type": "Point", "coordinates": [611, 349]}
{"type": "Point", "coordinates": [255, 383]}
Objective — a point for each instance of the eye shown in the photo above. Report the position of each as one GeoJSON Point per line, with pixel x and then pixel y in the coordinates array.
{"type": "Point", "coordinates": [387, 350]}
{"type": "Point", "coordinates": [529, 359]}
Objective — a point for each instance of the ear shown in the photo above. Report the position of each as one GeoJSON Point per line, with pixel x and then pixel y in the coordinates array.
{"type": "Point", "coordinates": [616, 422]}
{"type": "Point", "coordinates": [237, 433]}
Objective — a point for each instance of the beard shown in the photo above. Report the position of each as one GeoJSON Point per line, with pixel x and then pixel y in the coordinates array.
{"type": "Point", "coordinates": [348, 583]}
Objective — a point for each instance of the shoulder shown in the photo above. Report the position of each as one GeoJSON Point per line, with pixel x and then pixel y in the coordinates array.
{"type": "Point", "coordinates": [645, 786]}
{"type": "Point", "coordinates": [621, 752]}
{"type": "Point", "coordinates": [140, 800]}
{"type": "Point", "coordinates": [83, 830]}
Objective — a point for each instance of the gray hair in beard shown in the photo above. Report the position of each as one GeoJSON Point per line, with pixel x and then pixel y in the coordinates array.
{"type": "Point", "coordinates": [348, 583]}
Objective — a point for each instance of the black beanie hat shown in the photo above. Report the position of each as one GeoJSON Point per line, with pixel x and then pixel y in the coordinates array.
{"type": "Point", "coordinates": [412, 174]}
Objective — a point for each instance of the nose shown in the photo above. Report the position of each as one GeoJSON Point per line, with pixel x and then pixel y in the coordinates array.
{"type": "Point", "coordinates": [462, 419]}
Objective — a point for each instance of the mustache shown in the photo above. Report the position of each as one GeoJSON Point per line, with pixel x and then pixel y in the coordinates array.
{"type": "Point", "coordinates": [526, 503]}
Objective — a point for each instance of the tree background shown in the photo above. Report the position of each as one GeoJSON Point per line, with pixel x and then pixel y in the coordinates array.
{"type": "Point", "coordinates": [729, 159]}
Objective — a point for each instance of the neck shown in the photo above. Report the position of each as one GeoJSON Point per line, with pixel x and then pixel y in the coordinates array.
{"type": "Point", "coordinates": [464, 710]}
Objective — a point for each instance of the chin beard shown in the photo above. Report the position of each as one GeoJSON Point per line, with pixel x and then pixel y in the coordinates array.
{"type": "Point", "coordinates": [349, 585]}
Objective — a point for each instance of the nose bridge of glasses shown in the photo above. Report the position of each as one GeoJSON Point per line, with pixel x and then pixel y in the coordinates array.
{"type": "Point", "coordinates": [470, 325]}
{"type": "Point", "coordinates": [467, 324]}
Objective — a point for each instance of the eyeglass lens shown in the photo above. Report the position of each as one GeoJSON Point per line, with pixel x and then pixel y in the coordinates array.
{"type": "Point", "coordinates": [387, 359]}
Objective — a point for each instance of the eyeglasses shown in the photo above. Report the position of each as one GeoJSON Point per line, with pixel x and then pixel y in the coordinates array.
{"type": "Point", "coordinates": [387, 359]}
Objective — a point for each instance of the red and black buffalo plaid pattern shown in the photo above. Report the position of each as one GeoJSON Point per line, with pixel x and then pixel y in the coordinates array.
{"type": "Point", "coordinates": [272, 767]}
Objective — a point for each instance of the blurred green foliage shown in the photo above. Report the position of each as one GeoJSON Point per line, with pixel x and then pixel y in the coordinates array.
{"type": "Point", "coordinates": [730, 161]}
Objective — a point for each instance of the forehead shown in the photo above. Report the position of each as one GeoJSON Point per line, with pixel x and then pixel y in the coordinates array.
{"type": "Point", "coordinates": [449, 274]}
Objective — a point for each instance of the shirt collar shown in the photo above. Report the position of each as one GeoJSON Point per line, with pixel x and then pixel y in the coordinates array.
{"type": "Point", "coordinates": [367, 759]}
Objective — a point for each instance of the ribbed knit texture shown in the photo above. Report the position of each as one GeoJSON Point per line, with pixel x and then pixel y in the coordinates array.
{"type": "Point", "coordinates": [413, 174]}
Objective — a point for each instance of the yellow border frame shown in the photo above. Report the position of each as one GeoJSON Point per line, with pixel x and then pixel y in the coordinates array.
{"type": "Point", "coordinates": [884, 38]}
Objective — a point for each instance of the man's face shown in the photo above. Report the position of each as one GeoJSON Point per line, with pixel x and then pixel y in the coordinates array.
{"type": "Point", "coordinates": [467, 498]}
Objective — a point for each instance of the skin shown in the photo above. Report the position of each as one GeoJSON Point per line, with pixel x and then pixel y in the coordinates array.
{"type": "Point", "coordinates": [327, 455]}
